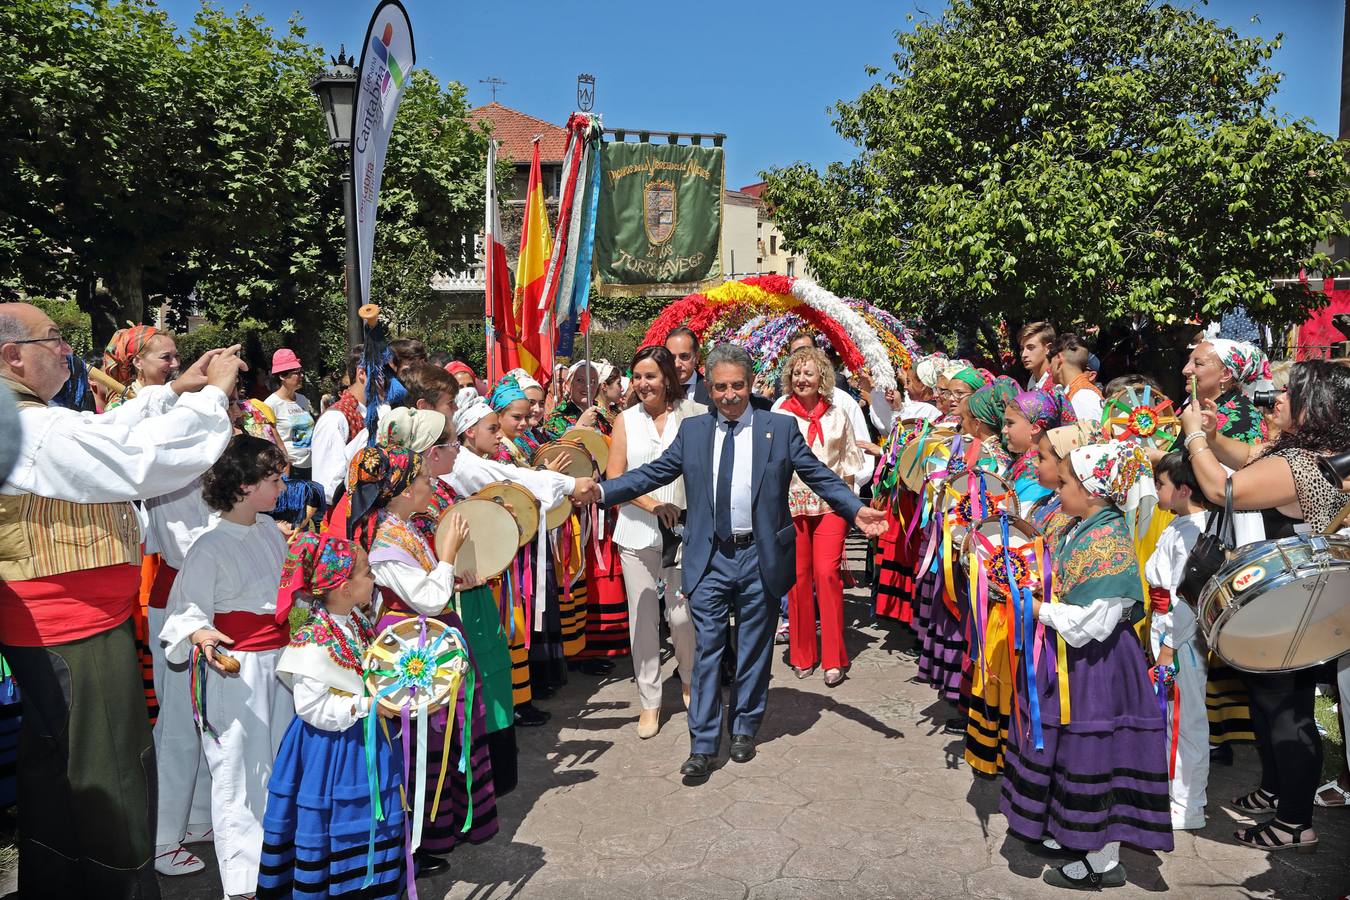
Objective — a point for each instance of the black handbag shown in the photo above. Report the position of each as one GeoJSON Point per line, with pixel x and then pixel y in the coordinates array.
{"type": "Point", "coordinates": [1211, 549]}
{"type": "Point", "coordinates": [671, 539]}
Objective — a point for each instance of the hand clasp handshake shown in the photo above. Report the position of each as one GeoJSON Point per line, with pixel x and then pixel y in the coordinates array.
{"type": "Point", "coordinates": [586, 492]}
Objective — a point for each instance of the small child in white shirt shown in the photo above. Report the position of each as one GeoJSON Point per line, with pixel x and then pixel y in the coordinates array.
{"type": "Point", "coordinates": [1176, 643]}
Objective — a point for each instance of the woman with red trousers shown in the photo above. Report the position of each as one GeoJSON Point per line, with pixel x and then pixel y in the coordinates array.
{"type": "Point", "coordinates": [808, 385]}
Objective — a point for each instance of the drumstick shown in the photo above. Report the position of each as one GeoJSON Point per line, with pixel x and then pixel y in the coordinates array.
{"type": "Point", "coordinates": [111, 384]}
{"type": "Point", "coordinates": [1340, 520]}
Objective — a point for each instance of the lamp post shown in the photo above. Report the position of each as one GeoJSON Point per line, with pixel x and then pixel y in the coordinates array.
{"type": "Point", "coordinates": [336, 87]}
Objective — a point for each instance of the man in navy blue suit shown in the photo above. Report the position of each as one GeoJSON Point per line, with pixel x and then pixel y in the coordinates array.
{"type": "Point", "coordinates": [739, 544]}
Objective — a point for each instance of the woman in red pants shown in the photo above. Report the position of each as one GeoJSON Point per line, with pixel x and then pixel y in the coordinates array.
{"type": "Point", "coordinates": [808, 385]}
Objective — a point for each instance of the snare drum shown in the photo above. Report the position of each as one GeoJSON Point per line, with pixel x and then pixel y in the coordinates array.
{"type": "Point", "coordinates": [1280, 606]}
{"type": "Point", "coordinates": [493, 537]}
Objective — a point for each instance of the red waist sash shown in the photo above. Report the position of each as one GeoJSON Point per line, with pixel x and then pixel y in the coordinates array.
{"type": "Point", "coordinates": [253, 631]}
{"type": "Point", "coordinates": [160, 587]}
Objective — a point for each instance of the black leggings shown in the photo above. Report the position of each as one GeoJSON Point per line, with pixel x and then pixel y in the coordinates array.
{"type": "Point", "coordinates": [1287, 740]}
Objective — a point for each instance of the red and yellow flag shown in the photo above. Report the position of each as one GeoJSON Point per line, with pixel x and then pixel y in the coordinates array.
{"type": "Point", "coordinates": [536, 246]}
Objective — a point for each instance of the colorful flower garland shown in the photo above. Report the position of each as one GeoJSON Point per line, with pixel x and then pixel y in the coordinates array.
{"type": "Point", "coordinates": [857, 342]}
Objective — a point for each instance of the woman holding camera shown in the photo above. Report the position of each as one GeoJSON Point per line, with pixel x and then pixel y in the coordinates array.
{"type": "Point", "coordinates": [1283, 479]}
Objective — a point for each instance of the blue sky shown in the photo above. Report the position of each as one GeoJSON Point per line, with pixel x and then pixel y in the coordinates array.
{"type": "Point", "coordinates": [763, 72]}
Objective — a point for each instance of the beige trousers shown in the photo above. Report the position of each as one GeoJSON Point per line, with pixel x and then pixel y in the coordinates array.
{"type": "Point", "coordinates": [641, 568]}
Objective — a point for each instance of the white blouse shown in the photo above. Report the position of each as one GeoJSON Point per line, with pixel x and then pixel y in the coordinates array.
{"type": "Point", "coordinates": [327, 696]}
{"type": "Point", "coordinates": [230, 568]}
{"type": "Point", "coordinates": [155, 443]}
{"type": "Point", "coordinates": [636, 528]}
{"type": "Point", "coordinates": [175, 520]}
{"type": "Point", "coordinates": [1165, 569]}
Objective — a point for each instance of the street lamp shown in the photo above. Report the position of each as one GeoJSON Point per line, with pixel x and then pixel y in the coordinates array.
{"type": "Point", "coordinates": [336, 87]}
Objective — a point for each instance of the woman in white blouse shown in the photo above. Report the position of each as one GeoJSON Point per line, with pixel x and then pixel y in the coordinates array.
{"type": "Point", "coordinates": [641, 433]}
{"type": "Point", "coordinates": [808, 384]}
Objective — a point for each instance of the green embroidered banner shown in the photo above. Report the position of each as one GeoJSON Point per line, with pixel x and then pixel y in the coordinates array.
{"type": "Point", "coordinates": [660, 217]}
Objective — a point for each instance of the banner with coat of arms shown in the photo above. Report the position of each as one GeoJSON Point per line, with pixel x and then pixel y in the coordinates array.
{"type": "Point", "coordinates": [659, 220]}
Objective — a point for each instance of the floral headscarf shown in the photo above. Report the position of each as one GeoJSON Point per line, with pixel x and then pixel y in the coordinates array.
{"type": "Point", "coordinates": [376, 476]}
{"type": "Point", "coordinates": [524, 380]}
{"type": "Point", "coordinates": [1247, 363]}
{"type": "Point", "coordinates": [987, 404]}
{"type": "Point", "coordinates": [506, 392]}
{"type": "Point", "coordinates": [1066, 438]}
{"type": "Point", "coordinates": [126, 343]}
{"type": "Point", "coordinates": [315, 565]}
{"type": "Point", "coordinates": [1044, 409]}
{"type": "Point", "coordinates": [1119, 472]}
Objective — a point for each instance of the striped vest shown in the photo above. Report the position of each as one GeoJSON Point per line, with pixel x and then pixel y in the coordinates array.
{"type": "Point", "coordinates": [41, 537]}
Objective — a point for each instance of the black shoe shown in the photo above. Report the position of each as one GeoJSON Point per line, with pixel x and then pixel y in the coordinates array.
{"type": "Point", "coordinates": [742, 748]}
{"type": "Point", "coordinates": [426, 864]}
{"type": "Point", "coordinates": [1221, 755]}
{"type": "Point", "coordinates": [697, 767]}
{"type": "Point", "coordinates": [955, 725]}
{"type": "Point", "coordinates": [597, 667]}
{"type": "Point", "coordinates": [542, 691]}
{"type": "Point", "coordinates": [1092, 881]}
{"type": "Point", "coordinates": [1040, 851]}
{"type": "Point", "coordinates": [530, 716]}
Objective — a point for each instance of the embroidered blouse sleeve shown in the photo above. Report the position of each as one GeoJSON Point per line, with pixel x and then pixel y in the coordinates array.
{"type": "Point", "coordinates": [426, 592]}
{"type": "Point", "coordinates": [325, 710]}
{"type": "Point", "coordinates": [1079, 625]}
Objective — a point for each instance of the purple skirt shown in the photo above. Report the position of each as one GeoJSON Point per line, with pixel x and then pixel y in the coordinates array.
{"type": "Point", "coordinates": [1103, 777]}
{"type": "Point", "coordinates": [943, 651]}
{"type": "Point", "coordinates": [443, 832]}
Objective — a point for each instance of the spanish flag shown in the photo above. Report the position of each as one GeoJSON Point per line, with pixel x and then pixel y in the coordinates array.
{"type": "Point", "coordinates": [536, 246]}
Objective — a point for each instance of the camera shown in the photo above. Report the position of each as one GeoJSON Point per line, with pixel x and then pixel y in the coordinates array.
{"type": "Point", "coordinates": [1265, 399]}
{"type": "Point", "coordinates": [1335, 469]}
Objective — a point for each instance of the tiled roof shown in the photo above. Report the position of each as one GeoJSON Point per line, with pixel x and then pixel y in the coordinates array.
{"type": "Point", "coordinates": [514, 131]}
{"type": "Point", "coordinates": [754, 190]}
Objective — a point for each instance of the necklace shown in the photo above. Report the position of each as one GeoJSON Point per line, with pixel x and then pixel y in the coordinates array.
{"type": "Point", "coordinates": [339, 650]}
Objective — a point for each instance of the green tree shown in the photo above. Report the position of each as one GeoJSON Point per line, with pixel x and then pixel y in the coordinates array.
{"type": "Point", "coordinates": [195, 169]}
{"type": "Point", "coordinates": [1082, 161]}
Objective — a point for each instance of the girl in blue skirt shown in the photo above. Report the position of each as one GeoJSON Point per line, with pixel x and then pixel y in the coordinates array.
{"type": "Point", "coordinates": [334, 822]}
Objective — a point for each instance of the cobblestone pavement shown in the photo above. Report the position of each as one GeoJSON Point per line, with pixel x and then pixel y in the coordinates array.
{"type": "Point", "coordinates": [856, 793]}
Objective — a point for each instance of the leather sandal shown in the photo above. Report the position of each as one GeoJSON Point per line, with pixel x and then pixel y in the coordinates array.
{"type": "Point", "coordinates": [1275, 835]}
{"type": "Point", "coordinates": [1258, 801]}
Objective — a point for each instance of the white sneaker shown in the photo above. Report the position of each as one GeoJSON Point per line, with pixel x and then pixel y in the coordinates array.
{"type": "Point", "coordinates": [198, 834]}
{"type": "Point", "coordinates": [178, 861]}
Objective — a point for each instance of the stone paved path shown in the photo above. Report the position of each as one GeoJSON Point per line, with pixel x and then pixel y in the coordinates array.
{"type": "Point", "coordinates": [856, 793]}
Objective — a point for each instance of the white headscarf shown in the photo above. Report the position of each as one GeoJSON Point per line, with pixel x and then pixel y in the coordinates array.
{"type": "Point", "coordinates": [1119, 472]}
{"type": "Point", "coordinates": [524, 380]}
{"type": "Point", "coordinates": [470, 408]}
{"type": "Point", "coordinates": [929, 369]}
{"type": "Point", "coordinates": [416, 429]}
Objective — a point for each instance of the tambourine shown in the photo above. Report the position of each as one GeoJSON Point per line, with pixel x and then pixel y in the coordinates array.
{"type": "Point", "coordinates": [1145, 417]}
{"type": "Point", "coordinates": [985, 542]}
{"type": "Point", "coordinates": [414, 661]}
{"type": "Point", "coordinates": [596, 444]}
{"type": "Point", "coordinates": [577, 460]}
{"type": "Point", "coordinates": [522, 503]}
{"type": "Point", "coordinates": [960, 507]}
{"type": "Point", "coordinates": [913, 461]}
{"type": "Point", "coordinates": [494, 537]}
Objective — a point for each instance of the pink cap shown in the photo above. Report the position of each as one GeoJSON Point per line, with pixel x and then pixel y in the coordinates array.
{"type": "Point", "coordinates": [284, 360]}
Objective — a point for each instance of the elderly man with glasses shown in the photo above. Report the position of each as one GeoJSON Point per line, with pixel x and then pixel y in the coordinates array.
{"type": "Point", "coordinates": [69, 575]}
